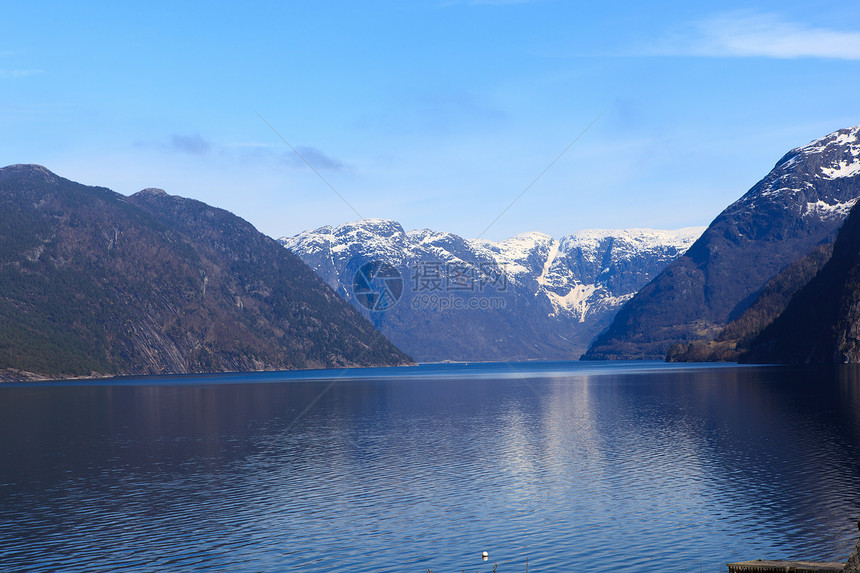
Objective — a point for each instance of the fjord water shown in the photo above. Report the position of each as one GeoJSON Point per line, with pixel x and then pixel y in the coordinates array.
{"type": "Point", "coordinates": [573, 466]}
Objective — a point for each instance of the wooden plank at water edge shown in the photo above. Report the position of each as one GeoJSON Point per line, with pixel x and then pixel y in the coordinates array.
{"type": "Point", "coordinates": [760, 566]}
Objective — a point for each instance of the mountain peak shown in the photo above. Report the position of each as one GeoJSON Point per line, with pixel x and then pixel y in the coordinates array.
{"type": "Point", "coordinates": [801, 203]}
{"type": "Point", "coordinates": [28, 170]}
{"type": "Point", "coordinates": [377, 228]}
{"type": "Point", "coordinates": [533, 236]}
{"type": "Point", "coordinates": [382, 227]}
{"type": "Point", "coordinates": [839, 138]}
{"type": "Point", "coordinates": [834, 156]}
{"type": "Point", "coordinates": [156, 284]}
{"type": "Point", "coordinates": [151, 192]}
{"type": "Point", "coordinates": [681, 238]}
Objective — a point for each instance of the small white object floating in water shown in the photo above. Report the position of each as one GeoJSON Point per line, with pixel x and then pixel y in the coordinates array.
{"type": "Point", "coordinates": [485, 555]}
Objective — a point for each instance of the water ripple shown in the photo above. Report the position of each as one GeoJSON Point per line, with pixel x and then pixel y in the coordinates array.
{"type": "Point", "coordinates": [654, 470]}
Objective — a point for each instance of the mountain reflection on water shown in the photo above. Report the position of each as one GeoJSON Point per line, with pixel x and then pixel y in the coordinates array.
{"type": "Point", "coordinates": [600, 467]}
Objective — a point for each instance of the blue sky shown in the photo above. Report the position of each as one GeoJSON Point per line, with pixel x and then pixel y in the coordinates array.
{"type": "Point", "coordinates": [435, 113]}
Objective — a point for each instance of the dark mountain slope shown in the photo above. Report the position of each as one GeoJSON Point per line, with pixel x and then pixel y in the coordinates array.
{"type": "Point", "coordinates": [736, 337]}
{"type": "Point", "coordinates": [95, 283]}
{"type": "Point", "coordinates": [821, 324]}
{"type": "Point", "coordinates": [798, 205]}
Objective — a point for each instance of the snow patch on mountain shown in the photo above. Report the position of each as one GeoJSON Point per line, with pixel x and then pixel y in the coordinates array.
{"type": "Point", "coordinates": [575, 302]}
{"type": "Point", "coordinates": [543, 279]}
{"type": "Point", "coordinates": [796, 180]}
{"type": "Point", "coordinates": [824, 210]}
{"type": "Point", "coordinates": [843, 138]}
{"type": "Point", "coordinates": [840, 153]}
{"type": "Point", "coordinates": [567, 288]}
{"type": "Point", "coordinates": [583, 270]}
{"type": "Point", "coordinates": [842, 169]}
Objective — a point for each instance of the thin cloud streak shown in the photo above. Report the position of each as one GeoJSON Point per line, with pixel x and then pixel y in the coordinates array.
{"type": "Point", "coordinates": [316, 158]}
{"type": "Point", "coordinates": [19, 73]}
{"type": "Point", "coordinates": [193, 144]}
{"type": "Point", "coordinates": [744, 34]}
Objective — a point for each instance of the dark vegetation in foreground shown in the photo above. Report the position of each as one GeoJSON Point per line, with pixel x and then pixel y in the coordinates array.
{"type": "Point", "coordinates": [737, 337]}
{"type": "Point", "coordinates": [808, 314]}
{"type": "Point", "coordinates": [93, 283]}
{"type": "Point", "coordinates": [821, 323]}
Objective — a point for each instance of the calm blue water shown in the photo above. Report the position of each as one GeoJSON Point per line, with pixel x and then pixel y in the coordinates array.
{"type": "Point", "coordinates": [573, 466]}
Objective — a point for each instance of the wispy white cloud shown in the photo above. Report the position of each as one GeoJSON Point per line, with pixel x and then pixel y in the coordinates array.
{"type": "Point", "coordinates": [193, 144]}
{"type": "Point", "coordinates": [15, 73]}
{"type": "Point", "coordinates": [18, 73]}
{"type": "Point", "coordinates": [747, 34]}
{"type": "Point", "coordinates": [250, 145]}
{"type": "Point", "coordinates": [317, 158]}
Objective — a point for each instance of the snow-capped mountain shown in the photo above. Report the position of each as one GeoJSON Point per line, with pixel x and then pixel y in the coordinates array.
{"type": "Point", "coordinates": [813, 181]}
{"type": "Point", "coordinates": [528, 297]}
{"type": "Point", "coordinates": [801, 203]}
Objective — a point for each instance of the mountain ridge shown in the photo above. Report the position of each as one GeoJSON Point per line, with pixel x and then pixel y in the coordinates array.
{"type": "Point", "coordinates": [94, 283]}
{"type": "Point", "coordinates": [799, 204]}
{"type": "Point", "coordinates": [557, 295]}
